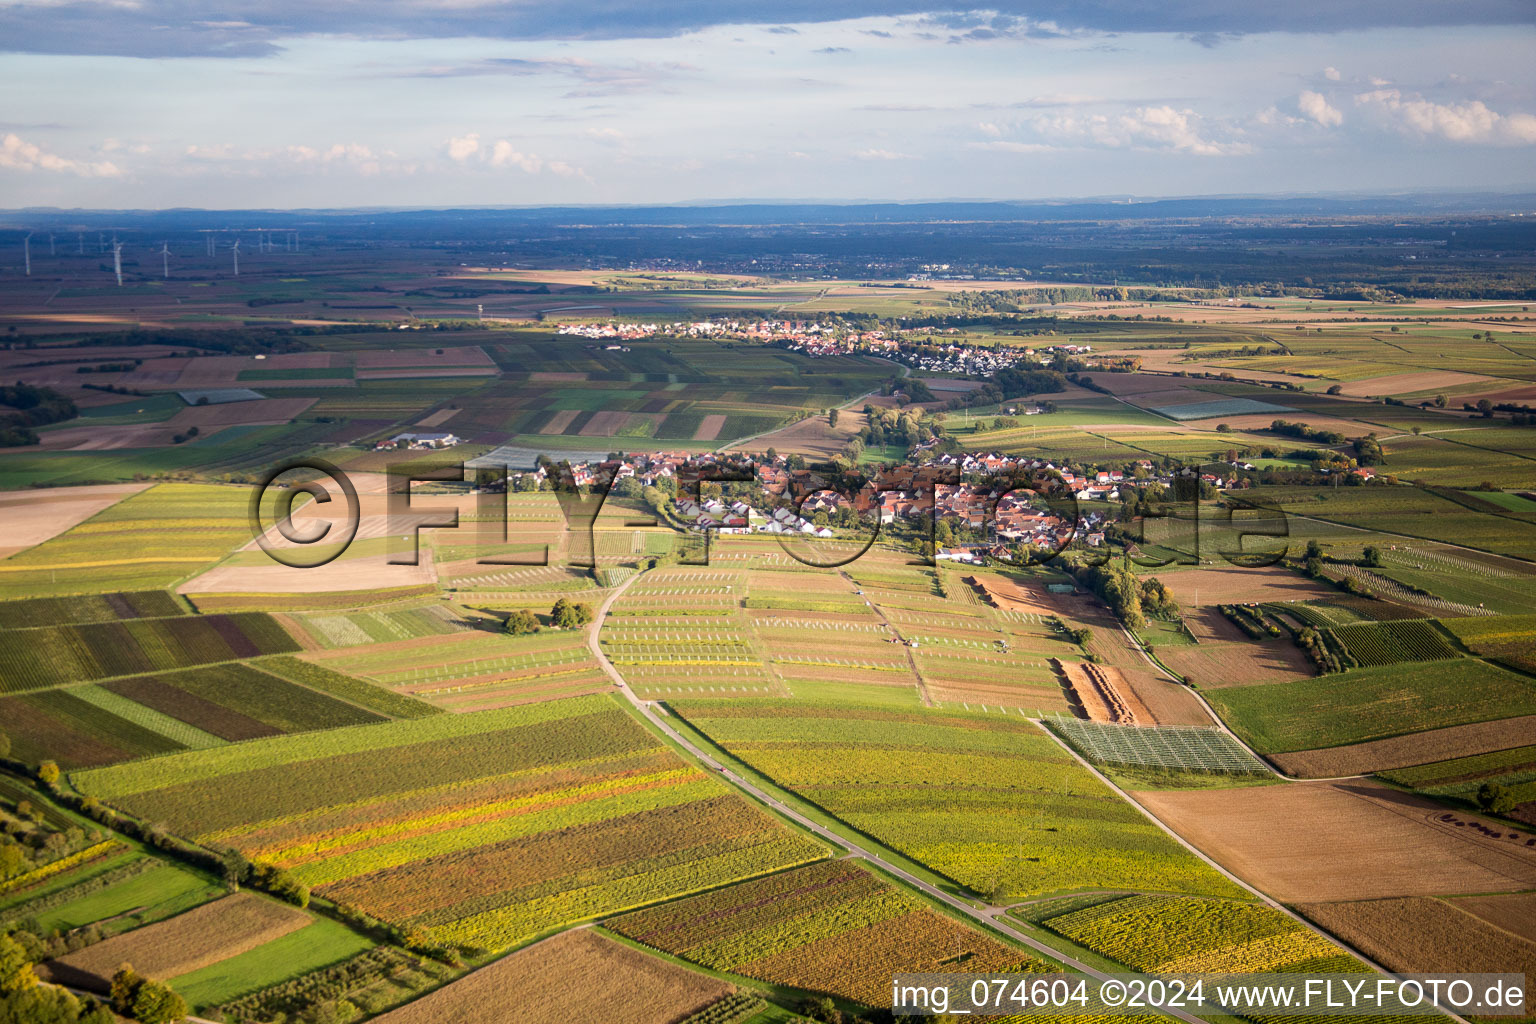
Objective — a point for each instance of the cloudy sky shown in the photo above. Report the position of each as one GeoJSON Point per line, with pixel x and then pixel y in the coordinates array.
{"type": "Point", "coordinates": [154, 103]}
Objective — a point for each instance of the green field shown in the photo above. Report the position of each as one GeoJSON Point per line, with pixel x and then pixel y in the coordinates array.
{"type": "Point", "coordinates": [318, 944]}
{"type": "Point", "coordinates": [984, 800]}
{"type": "Point", "coordinates": [1372, 703]}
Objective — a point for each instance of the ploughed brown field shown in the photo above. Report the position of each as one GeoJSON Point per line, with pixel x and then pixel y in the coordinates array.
{"type": "Point", "coordinates": [1406, 751]}
{"type": "Point", "coordinates": [1238, 664]}
{"type": "Point", "coordinates": [188, 942]}
{"type": "Point", "coordinates": [1420, 934]}
{"type": "Point", "coordinates": [1311, 841]}
{"type": "Point", "coordinates": [1513, 912]}
{"type": "Point", "coordinates": [1233, 583]}
{"type": "Point", "coordinates": [575, 976]}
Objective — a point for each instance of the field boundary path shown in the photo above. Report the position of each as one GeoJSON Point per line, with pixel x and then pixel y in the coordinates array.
{"type": "Point", "coordinates": [988, 917]}
{"type": "Point", "coordinates": [917, 673]}
{"type": "Point", "coordinates": [1217, 719]}
{"type": "Point", "coordinates": [1263, 897]}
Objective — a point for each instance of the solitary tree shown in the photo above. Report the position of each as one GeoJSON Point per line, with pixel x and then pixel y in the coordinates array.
{"type": "Point", "coordinates": [156, 1003]}
{"type": "Point", "coordinates": [522, 622]}
{"type": "Point", "coordinates": [1371, 556]}
{"type": "Point", "coordinates": [48, 773]}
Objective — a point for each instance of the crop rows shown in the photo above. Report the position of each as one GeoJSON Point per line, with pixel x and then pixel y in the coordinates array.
{"type": "Point", "coordinates": [477, 830]}
{"type": "Point", "coordinates": [1509, 638]}
{"type": "Point", "coordinates": [150, 540]}
{"type": "Point", "coordinates": [1178, 935]}
{"type": "Point", "coordinates": [54, 655]}
{"type": "Point", "coordinates": [337, 684]}
{"type": "Point", "coordinates": [832, 927]}
{"type": "Point", "coordinates": [55, 611]}
{"type": "Point", "coordinates": [1018, 816]}
{"type": "Point", "coordinates": [1387, 643]}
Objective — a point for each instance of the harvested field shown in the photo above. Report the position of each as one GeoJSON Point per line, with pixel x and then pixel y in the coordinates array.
{"type": "Point", "coordinates": [1403, 751]}
{"type": "Point", "coordinates": [1424, 935]}
{"type": "Point", "coordinates": [575, 976]}
{"type": "Point", "coordinates": [33, 517]}
{"type": "Point", "coordinates": [207, 935]}
{"type": "Point", "coordinates": [709, 427]}
{"type": "Point", "coordinates": [1235, 583]}
{"type": "Point", "coordinates": [559, 421]}
{"type": "Point", "coordinates": [1210, 626]}
{"type": "Point", "coordinates": [605, 423]}
{"type": "Point", "coordinates": [438, 418]}
{"type": "Point", "coordinates": [811, 436]}
{"type": "Point", "coordinates": [1408, 383]}
{"type": "Point", "coordinates": [1238, 664]}
{"type": "Point", "coordinates": [1102, 695]}
{"type": "Point", "coordinates": [1010, 596]}
{"type": "Point", "coordinates": [1341, 841]}
{"type": "Point", "coordinates": [1515, 913]}
{"type": "Point", "coordinates": [460, 355]}
{"type": "Point", "coordinates": [373, 572]}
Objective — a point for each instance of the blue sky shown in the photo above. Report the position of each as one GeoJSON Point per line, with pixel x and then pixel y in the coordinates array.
{"type": "Point", "coordinates": [148, 103]}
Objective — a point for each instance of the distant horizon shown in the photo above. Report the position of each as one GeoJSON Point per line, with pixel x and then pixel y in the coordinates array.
{"type": "Point", "coordinates": [1516, 193]}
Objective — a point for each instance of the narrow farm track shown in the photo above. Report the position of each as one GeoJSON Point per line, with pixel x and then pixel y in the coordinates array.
{"type": "Point", "coordinates": [922, 684]}
{"type": "Point", "coordinates": [1217, 721]}
{"type": "Point", "coordinates": [1154, 819]}
{"type": "Point", "coordinates": [990, 917]}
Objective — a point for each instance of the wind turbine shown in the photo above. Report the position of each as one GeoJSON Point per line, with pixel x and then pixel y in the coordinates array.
{"type": "Point", "coordinates": [26, 248]}
{"type": "Point", "coordinates": [165, 257]}
{"type": "Point", "coordinates": [117, 259]}
{"type": "Point", "coordinates": [51, 250]}
{"type": "Point", "coordinates": [235, 251]}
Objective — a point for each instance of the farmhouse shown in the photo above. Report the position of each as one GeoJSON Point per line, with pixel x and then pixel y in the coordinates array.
{"type": "Point", "coordinates": [418, 441]}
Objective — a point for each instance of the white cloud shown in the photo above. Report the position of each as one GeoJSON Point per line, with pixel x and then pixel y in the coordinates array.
{"type": "Point", "coordinates": [1155, 127]}
{"type": "Point", "coordinates": [1316, 106]}
{"type": "Point", "coordinates": [988, 128]}
{"type": "Point", "coordinates": [17, 154]}
{"type": "Point", "coordinates": [463, 147]}
{"type": "Point", "coordinates": [1471, 122]}
{"type": "Point", "coordinates": [503, 155]}
{"type": "Point", "coordinates": [1005, 146]}
{"type": "Point", "coordinates": [1332, 74]}
{"type": "Point", "coordinates": [880, 154]}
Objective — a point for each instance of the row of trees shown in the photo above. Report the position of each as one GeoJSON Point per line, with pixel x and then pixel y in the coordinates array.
{"type": "Point", "coordinates": [1130, 597]}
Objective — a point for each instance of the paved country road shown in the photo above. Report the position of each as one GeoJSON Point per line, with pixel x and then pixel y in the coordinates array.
{"type": "Point", "coordinates": [991, 917]}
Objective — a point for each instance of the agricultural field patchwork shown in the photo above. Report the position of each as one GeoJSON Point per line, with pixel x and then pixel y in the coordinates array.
{"type": "Point", "coordinates": [1019, 817]}
{"type": "Point", "coordinates": [577, 975]}
{"type": "Point", "coordinates": [150, 540]}
{"type": "Point", "coordinates": [834, 927]}
{"type": "Point", "coordinates": [1184, 935]}
{"type": "Point", "coordinates": [1373, 703]}
{"type": "Point", "coordinates": [467, 827]}
{"type": "Point", "coordinates": [47, 656]}
{"type": "Point", "coordinates": [137, 716]}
